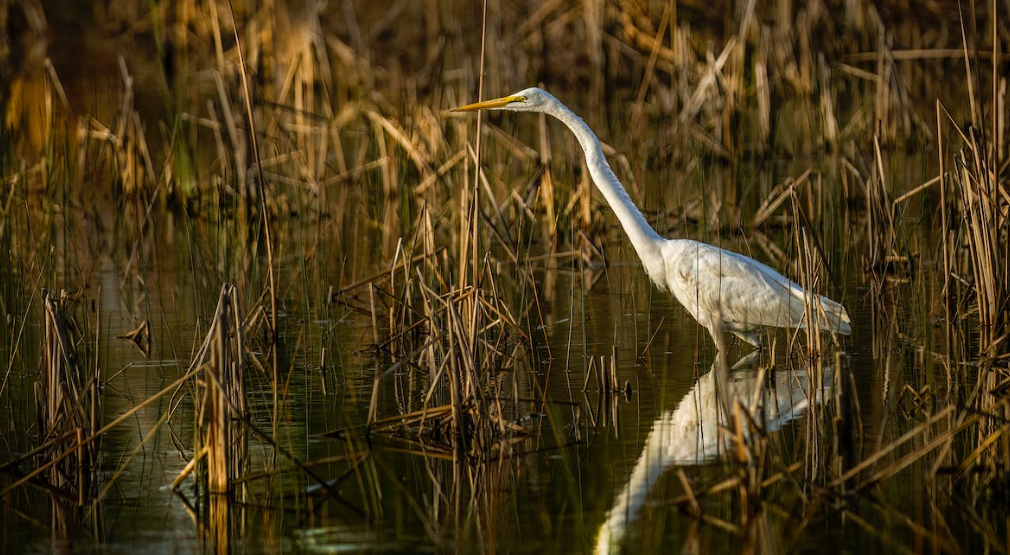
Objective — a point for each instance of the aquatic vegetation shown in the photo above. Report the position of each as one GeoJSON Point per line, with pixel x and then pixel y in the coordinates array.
{"type": "Point", "coordinates": [260, 288]}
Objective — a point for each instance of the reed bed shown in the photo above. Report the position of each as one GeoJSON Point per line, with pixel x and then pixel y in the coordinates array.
{"type": "Point", "coordinates": [303, 152]}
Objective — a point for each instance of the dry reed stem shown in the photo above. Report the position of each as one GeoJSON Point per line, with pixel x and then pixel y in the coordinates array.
{"type": "Point", "coordinates": [67, 402]}
{"type": "Point", "coordinates": [262, 193]}
{"type": "Point", "coordinates": [421, 321]}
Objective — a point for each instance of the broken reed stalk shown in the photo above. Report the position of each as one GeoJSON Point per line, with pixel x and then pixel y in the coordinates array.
{"type": "Point", "coordinates": [220, 442]}
{"type": "Point", "coordinates": [67, 402]}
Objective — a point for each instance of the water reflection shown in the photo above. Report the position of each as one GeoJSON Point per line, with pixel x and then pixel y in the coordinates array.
{"type": "Point", "coordinates": [696, 431]}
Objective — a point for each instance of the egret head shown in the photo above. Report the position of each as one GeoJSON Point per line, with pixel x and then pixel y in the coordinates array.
{"type": "Point", "coordinates": [532, 99]}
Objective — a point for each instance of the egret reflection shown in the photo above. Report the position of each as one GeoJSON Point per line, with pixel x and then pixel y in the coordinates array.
{"type": "Point", "coordinates": [696, 431]}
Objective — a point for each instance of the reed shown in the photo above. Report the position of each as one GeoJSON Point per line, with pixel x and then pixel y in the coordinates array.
{"type": "Point", "coordinates": [67, 403]}
{"type": "Point", "coordinates": [313, 136]}
{"type": "Point", "coordinates": [220, 441]}
{"type": "Point", "coordinates": [973, 183]}
{"type": "Point", "coordinates": [980, 191]}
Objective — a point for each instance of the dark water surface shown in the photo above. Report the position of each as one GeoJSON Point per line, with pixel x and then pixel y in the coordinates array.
{"type": "Point", "coordinates": [599, 472]}
{"type": "Point", "coordinates": [596, 475]}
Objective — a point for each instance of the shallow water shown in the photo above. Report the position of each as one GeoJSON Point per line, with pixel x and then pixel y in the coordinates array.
{"type": "Point", "coordinates": [566, 489]}
{"type": "Point", "coordinates": [596, 471]}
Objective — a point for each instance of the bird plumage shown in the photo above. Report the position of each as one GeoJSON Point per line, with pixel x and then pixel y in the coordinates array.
{"type": "Point", "coordinates": [721, 289]}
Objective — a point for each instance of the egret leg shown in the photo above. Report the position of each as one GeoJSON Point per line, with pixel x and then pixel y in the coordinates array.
{"type": "Point", "coordinates": [715, 330]}
{"type": "Point", "coordinates": [749, 337]}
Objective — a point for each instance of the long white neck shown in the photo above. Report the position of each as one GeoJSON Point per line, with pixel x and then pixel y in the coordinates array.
{"type": "Point", "coordinates": [643, 238]}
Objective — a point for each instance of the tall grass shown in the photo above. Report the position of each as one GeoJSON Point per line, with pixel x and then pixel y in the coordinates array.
{"type": "Point", "coordinates": [304, 153]}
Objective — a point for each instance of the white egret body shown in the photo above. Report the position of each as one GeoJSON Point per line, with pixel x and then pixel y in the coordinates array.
{"type": "Point", "coordinates": [723, 290]}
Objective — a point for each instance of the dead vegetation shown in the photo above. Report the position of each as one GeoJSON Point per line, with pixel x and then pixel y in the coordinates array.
{"type": "Point", "coordinates": [305, 153]}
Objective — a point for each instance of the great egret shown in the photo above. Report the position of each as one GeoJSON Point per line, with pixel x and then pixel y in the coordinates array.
{"type": "Point", "coordinates": [723, 290]}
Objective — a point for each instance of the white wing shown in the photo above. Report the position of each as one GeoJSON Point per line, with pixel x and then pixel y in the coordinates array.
{"type": "Point", "coordinates": [713, 282]}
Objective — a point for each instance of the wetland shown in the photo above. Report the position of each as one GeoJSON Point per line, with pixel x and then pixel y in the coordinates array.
{"type": "Point", "coordinates": [261, 291]}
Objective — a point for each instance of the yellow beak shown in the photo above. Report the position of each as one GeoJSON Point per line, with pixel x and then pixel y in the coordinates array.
{"type": "Point", "coordinates": [489, 104]}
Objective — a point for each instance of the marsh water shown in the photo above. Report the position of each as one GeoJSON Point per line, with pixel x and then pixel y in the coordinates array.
{"type": "Point", "coordinates": [556, 492]}
{"type": "Point", "coordinates": [689, 452]}
{"type": "Point", "coordinates": [598, 469]}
